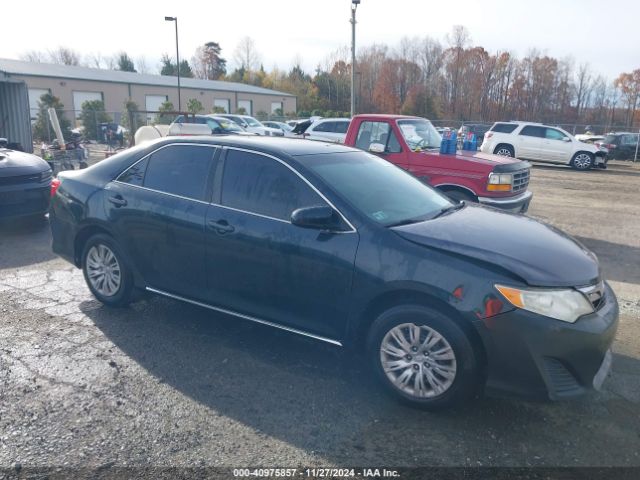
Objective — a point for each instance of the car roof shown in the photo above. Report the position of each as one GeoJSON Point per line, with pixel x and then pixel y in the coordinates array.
{"type": "Point", "coordinates": [279, 146]}
{"type": "Point", "coordinates": [387, 116]}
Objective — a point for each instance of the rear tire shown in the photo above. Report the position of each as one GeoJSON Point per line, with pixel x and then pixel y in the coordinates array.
{"type": "Point", "coordinates": [504, 150]}
{"type": "Point", "coordinates": [422, 357]}
{"type": "Point", "coordinates": [105, 271]}
{"type": "Point", "coordinates": [582, 161]}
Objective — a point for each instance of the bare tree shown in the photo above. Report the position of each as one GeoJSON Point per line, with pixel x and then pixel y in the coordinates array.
{"type": "Point", "coordinates": [583, 88]}
{"type": "Point", "coordinates": [33, 56]}
{"type": "Point", "coordinates": [142, 65]}
{"type": "Point", "coordinates": [246, 55]}
{"type": "Point", "coordinates": [64, 56]}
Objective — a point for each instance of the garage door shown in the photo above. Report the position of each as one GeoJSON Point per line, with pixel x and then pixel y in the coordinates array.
{"type": "Point", "coordinates": [80, 97]}
{"type": "Point", "coordinates": [153, 102]}
{"type": "Point", "coordinates": [246, 104]}
{"type": "Point", "coordinates": [34, 99]}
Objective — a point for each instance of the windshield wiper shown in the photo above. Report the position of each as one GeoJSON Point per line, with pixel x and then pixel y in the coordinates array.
{"type": "Point", "coordinates": [407, 221]}
{"type": "Point", "coordinates": [450, 208]}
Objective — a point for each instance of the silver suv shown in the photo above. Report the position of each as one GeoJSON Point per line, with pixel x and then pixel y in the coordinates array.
{"type": "Point", "coordinates": [541, 143]}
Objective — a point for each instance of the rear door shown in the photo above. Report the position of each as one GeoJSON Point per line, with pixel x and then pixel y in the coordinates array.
{"type": "Point", "coordinates": [158, 207]}
{"type": "Point", "coordinates": [261, 265]}
{"type": "Point", "coordinates": [529, 142]}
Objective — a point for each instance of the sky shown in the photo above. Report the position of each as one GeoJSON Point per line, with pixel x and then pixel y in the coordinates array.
{"type": "Point", "coordinates": [604, 34]}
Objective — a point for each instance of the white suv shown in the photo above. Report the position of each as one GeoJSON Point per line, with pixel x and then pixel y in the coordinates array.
{"type": "Point", "coordinates": [328, 130]}
{"type": "Point", "coordinates": [541, 143]}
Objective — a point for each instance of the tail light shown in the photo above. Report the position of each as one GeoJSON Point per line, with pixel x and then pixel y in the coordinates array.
{"type": "Point", "coordinates": [55, 183]}
{"type": "Point", "coordinates": [488, 135]}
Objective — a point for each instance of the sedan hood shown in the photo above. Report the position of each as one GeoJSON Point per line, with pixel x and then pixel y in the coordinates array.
{"type": "Point", "coordinates": [27, 161]}
{"type": "Point", "coordinates": [539, 254]}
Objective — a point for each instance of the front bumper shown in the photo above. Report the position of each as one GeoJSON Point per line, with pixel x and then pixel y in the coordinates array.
{"type": "Point", "coordinates": [518, 204]}
{"type": "Point", "coordinates": [535, 356]}
{"type": "Point", "coordinates": [24, 200]}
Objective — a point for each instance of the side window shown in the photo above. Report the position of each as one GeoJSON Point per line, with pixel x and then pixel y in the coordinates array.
{"type": "Point", "coordinates": [180, 170]}
{"type": "Point", "coordinates": [342, 127]}
{"type": "Point", "coordinates": [553, 134]}
{"type": "Point", "coordinates": [258, 184]}
{"type": "Point", "coordinates": [377, 132]}
{"type": "Point", "coordinates": [324, 127]}
{"type": "Point", "coordinates": [531, 131]}
{"type": "Point", "coordinates": [629, 139]}
{"type": "Point", "coordinates": [135, 174]}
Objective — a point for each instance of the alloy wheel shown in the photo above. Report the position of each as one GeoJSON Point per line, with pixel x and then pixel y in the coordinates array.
{"type": "Point", "coordinates": [582, 161]}
{"type": "Point", "coordinates": [103, 270]}
{"type": "Point", "coordinates": [418, 360]}
{"type": "Point", "coordinates": [504, 152]}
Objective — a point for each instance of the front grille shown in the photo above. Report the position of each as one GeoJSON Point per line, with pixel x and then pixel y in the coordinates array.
{"type": "Point", "coordinates": [521, 180]}
{"type": "Point", "coordinates": [22, 179]}
{"type": "Point", "coordinates": [562, 381]}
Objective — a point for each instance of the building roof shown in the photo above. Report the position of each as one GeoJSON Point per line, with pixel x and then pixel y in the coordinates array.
{"type": "Point", "coordinates": [35, 69]}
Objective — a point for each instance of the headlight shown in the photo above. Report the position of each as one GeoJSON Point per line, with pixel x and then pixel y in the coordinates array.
{"type": "Point", "coordinates": [500, 182]}
{"type": "Point", "coordinates": [562, 304]}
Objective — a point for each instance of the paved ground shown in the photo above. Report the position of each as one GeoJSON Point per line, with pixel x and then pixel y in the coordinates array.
{"type": "Point", "coordinates": [165, 383]}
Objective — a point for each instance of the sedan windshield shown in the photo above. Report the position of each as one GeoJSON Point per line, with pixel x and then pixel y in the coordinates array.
{"type": "Point", "coordinates": [252, 122]}
{"type": "Point", "coordinates": [420, 134]}
{"type": "Point", "coordinates": [376, 188]}
{"type": "Point", "coordinates": [230, 126]}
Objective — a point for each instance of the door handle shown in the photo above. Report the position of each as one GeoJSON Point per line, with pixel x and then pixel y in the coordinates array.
{"type": "Point", "coordinates": [118, 201]}
{"type": "Point", "coordinates": [221, 227]}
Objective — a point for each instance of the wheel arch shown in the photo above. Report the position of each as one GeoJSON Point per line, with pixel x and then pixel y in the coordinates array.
{"type": "Point", "coordinates": [85, 233]}
{"type": "Point", "coordinates": [404, 296]}
{"type": "Point", "coordinates": [448, 187]}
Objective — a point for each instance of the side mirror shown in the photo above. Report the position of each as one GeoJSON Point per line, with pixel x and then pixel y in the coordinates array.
{"type": "Point", "coordinates": [566, 139]}
{"type": "Point", "coordinates": [376, 148]}
{"type": "Point", "coordinates": [319, 217]}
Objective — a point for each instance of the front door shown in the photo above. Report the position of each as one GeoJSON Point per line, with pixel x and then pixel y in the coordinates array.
{"type": "Point", "coordinates": [556, 146]}
{"type": "Point", "coordinates": [261, 265]}
{"type": "Point", "coordinates": [158, 207]}
{"type": "Point", "coordinates": [380, 138]}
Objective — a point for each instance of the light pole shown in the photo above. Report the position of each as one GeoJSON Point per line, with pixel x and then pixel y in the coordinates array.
{"type": "Point", "coordinates": [354, 5]}
{"type": "Point", "coordinates": [175, 19]}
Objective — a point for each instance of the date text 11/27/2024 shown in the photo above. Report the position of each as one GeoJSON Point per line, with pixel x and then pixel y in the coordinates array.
{"type": "Point", "coordinates": [316, 472]}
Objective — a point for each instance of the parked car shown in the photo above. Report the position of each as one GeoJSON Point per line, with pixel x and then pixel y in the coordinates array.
{"type": "Point", "coordinates": [478, 129]}
{"type": "Point", "coordinates": [414, 144]}
{"type": "Point", "coordinates": [252, 125]}
{"type": "Point", "coordinates": [25, 184]}
{"type": "Point", "coordinates": [284, 127]}
{"type": "Point", "coordinates": [620, 145]}
{"type": "Point", "coordinates": [589, 138]}
{"type": "Point", "coordinates": [218, 125]}
{"type": "Point", "coordinates": [541, 143]}
{"type": "Point", "coordinates": [338, 245]}
{"type": "Point", "coordinates": [328, 129]}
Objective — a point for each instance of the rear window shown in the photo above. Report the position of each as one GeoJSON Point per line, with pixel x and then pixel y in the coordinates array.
{"type": "Point", "coordinates": [504, 127]}
{"type": "Point", "coordinates": [610, 139]}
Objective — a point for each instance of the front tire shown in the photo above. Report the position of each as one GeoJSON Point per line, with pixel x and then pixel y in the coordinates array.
{"type": "Point", "coordinates": [422, 357]}
{"type": "Point", "coordinates": [582, 161]}
{"type": "Point", "coordinates": [105, 271]}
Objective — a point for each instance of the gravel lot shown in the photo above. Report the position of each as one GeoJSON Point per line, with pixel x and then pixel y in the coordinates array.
{"type": "Point", "coordinates": [164, 383]}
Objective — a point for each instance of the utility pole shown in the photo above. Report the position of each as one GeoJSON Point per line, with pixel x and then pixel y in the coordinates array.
{"type": "Point", "coordinates": [354, 5]}
{"type": "Point", "coordinates": [175, 19]}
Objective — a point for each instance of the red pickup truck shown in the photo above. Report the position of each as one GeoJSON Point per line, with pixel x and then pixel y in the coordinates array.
{"type": "Point", "coordinates": [414, 144]}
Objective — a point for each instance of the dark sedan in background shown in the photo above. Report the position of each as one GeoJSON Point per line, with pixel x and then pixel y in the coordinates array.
{"type": "Point", "coordinates": [25, 184]}
{"type": "Point", "coordinates": [339, 245]}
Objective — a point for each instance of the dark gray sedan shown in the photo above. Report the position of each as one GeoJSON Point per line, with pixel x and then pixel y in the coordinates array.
{"type": "Point", "coordinates": [336, 244]}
